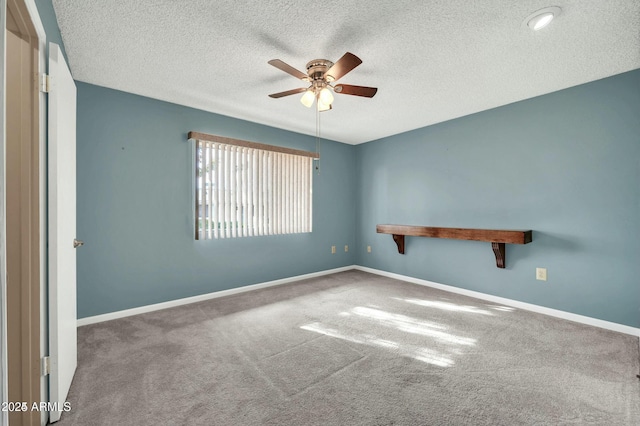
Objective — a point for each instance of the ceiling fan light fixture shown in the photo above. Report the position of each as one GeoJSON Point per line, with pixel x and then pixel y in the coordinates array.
{"type": "Point", "coordinates": [541, 18]}
{"type": "Point", "coordinates": [308, 98]}
{"type": "Point", "coordinates": [325, 96]}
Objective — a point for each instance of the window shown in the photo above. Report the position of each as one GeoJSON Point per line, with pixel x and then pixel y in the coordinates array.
{"type": "Point", "coordinates": [245, 189]}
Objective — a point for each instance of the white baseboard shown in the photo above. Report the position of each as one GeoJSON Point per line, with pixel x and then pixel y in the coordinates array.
{"type": "Point", "coordinates": [509, 302]}
{"type": "Point", "coordinates": [495, 299]}
{"type": "Point", "coordinates": [202, 297]}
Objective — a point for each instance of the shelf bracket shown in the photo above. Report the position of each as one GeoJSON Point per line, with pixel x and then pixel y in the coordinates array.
{"type": "Point", "coordinates": [499, 251]}
{"type": "Point", "coordinates": [399, 239]}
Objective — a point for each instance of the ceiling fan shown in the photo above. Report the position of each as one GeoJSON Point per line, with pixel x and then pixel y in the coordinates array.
{"type": "Point", "coordinates": [321, 73]}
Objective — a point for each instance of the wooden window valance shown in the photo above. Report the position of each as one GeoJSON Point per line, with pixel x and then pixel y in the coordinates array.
{"type": "Point", "coordinates": [248, 144]}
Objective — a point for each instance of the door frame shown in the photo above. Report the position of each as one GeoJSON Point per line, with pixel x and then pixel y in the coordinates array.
{"type": "Point", "coordinates": [35, 320]}
{"type": "Point", "coordinates": [4, 416]}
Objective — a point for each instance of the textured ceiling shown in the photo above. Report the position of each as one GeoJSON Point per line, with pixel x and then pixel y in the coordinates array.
{"type": "Point", "coordinates": [432, 60]}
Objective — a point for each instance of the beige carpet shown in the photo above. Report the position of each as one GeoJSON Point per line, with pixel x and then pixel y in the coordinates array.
{"type": "Point", "coordinates": [352, 349]}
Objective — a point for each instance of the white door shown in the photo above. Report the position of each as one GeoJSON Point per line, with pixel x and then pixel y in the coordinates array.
{"type": "Point", "coordinates": [62, 230]}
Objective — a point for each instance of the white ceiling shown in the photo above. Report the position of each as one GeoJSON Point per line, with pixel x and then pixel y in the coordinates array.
{"type": "Point", "coordinates": [432, 60]}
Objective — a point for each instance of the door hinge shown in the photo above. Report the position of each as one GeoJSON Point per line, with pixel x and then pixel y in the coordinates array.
{"type": "Point", "coordinates": [45, 83]}
{"type": "Point", "coordinates": [45, 366]}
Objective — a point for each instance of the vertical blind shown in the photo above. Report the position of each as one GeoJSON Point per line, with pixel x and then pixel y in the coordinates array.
{"type": "Point", "coordinates": [245, 189]}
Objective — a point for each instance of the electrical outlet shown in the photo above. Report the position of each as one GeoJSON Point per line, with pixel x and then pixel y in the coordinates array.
{"type": "Point", "coordinates": [368, 249]}
{"type": "Point", "coordinates": [346, 249]}
{"type": "Point", "coordinates": [541, 274]}
{"type": "Point", "coordinates": [333, 249]}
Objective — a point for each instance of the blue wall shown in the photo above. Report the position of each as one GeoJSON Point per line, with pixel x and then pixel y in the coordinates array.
{"type": "Point", "coordinates": [566, 165]}
{"type": "Point", "coordinates": [135, 215]}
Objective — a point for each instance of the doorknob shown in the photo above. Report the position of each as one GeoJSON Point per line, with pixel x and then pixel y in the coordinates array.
{"type": "Point", "coordinates": [77, 243]}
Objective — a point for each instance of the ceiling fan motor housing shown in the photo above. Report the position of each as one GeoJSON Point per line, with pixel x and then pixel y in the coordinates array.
{"type": "Point", "coordinates": [316, 69]}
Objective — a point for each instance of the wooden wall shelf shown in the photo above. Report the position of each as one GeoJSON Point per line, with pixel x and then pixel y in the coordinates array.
{"type": "Point", "coordinates": [497, 237]}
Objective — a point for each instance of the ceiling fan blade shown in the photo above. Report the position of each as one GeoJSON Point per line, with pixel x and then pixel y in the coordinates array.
{"type": "Point", "coordinates": [287, 93]}
{"type": "Point", "coordinates": [347, 89]}
{"type": "Point", "coordinates": [288, 69]}
{"type": "Point", "coordinates": [345, 64]}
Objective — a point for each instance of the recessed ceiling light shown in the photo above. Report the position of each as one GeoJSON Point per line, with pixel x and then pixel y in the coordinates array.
{"type": "Point", "coordinates": [541, 18]}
